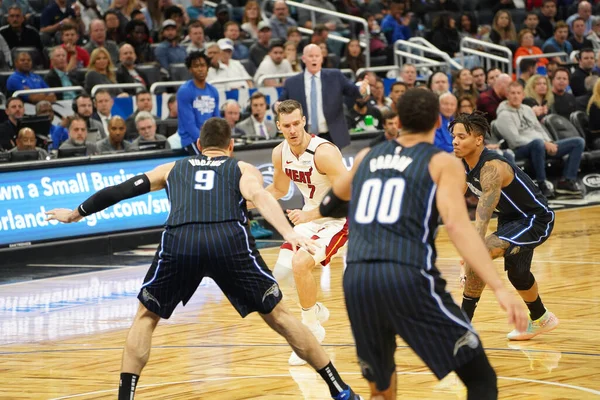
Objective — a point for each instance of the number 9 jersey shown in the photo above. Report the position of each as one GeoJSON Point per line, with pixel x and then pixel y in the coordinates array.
{"type": "Point", "coordinates": [205, 189]}
{"type": "Point", "coordinates": [393, 215]}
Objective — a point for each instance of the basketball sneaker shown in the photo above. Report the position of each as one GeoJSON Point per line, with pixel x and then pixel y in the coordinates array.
{"type": "Point", "coordinates": [543, 324]}
{"type": "Point", "coordinates": [319, 333]}
{"type": "Point", "coordinates": [348, 394]}
{"type": "Point", "coordinates": [322, 313]}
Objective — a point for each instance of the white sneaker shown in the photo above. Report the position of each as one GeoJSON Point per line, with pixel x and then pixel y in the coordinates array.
{"type": "Point", "coordinates": [545, 323]}
{"type": "Point", "coordinates": [322, 313]}
{"type": "Point", "coordinates": [319, 333]}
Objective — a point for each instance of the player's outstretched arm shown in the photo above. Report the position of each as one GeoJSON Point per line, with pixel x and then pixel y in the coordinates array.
{"type": "Point", "coordinates": [281, 182]}
{"type": "Point", "coordinates": [251, 186]}
{"type": "Point", "coordinates": [449, 176]}
{"type": "Point", "coordinates": [111, 195]}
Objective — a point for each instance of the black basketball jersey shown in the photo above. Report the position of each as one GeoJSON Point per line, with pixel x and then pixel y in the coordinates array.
{"type": "Point", "coordinates": [205, 189]}
{"type": "Point", "coordinates": [393, 216]}
{"type": "Point", "coordinates": [520, 199]}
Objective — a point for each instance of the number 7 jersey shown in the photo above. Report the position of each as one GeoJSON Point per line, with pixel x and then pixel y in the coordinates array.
{"type": "Point", "coordinates": [393, 215]}
{"type": "Point", "coordinates": [205, 190]}
{"type": "Point", "coordinates": [304, 173]}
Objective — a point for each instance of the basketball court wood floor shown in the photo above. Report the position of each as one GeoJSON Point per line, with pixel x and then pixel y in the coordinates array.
{"type": "Point", "coordinates": [62, 338]}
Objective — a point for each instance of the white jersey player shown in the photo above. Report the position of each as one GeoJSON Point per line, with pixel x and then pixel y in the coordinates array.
{"type": "Point", "coordinates": [313, 164]}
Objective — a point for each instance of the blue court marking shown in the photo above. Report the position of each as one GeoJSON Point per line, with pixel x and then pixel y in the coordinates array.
{"type": "Point", "coordinates": [575, 353]}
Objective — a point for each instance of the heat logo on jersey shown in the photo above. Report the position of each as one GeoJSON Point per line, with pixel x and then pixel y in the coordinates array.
{"type": "Point", "coordinates": [299, 176]}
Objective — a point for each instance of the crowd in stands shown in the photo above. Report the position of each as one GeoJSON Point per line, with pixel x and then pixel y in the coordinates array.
{"type": "Point", "coordinates": [63, 43]}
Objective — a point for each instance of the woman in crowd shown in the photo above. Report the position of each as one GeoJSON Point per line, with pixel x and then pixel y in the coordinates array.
{"type": "Point", "coordinates": [101, 71]}
{"type": "Point", "coordinates": [503, 29]}
{"type": "Point", "coordinates": [381, 102]}
{"type": "Point", "coordinates": [464, 84]}
{"type": "Point", "coordinates": [527, 48]}
{"type": "Point", "coordinates": [353, 56]}
{"type": "Point", "coordinates": [251, 19]}
{"type": "Point", "coordinates": [466, 104]}
{"type": "Point", "coordinates": [539, 96]}
{"type": "Point", "coordinates": [291, 54]}
{"type": "Point", "coordinates": [444, 34]}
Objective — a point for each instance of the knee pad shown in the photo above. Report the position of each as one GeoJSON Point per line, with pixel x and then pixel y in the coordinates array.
{"type": "Point", "coordinates": [521, 280]}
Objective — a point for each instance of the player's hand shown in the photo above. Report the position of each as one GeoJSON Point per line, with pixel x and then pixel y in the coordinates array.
{"type": "Point", "coordinates": [298, 241]}
{"type": "Point", "coordinates": [63, 215]}
{"type": "Point", "coordinates": [514, 308]}
{"type": "Point", "coordinates": [298, 216]}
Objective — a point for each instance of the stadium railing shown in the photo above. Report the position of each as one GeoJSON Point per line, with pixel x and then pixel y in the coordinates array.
{"type": "Point", "coordinates": [18, 93]}
{"type": "Point", "coordinates": [116, 86]}
{"type": "Point", "coordinates": [365, 40]}
{"type": "Point", "coordinates": [427, 43]}
{"type": "Point", "coordinates": [535, 57]}
{"type": "Point", "coordinates": [487, 60]}
{"type": "Point", "coordinates": [403, 50]}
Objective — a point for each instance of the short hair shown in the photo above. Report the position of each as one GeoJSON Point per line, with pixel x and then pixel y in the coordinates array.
{"type": "Point", "coordinates": [215, 132]}
{"type": "Point", "coordinates": [144, 115]}
{"type": "Point", "coordinates": [22, 132]}
{"type": "Point", "coordinates": [134, 13]}
{"type": "Point", "coordinates": [68, 27]}
{"type": "Point", "coordinates": [172, 10]}
{"type": "Point", "coordinates": [288, 107]}
{"type": "Point", "coordinates": [40, 104]}
{"type": "Point", "coordinates": [407, 65]}
{"type": "Point", "coordinates": [275, 44]}
{"type": "Point", "coordinates": [478, 67]}
{"type": "Point", "coordinates": [578, 19]}
{"type": "Point", "coordinates": [514, 84]}
{"type": "Point", "coordinates": [15, 7]}
{"type": "Point", "coordinates": [585, 50]}
{"type": "Point", "coordinates": [527, 63]}
{"type": "Point", "coordinates": [319, 29]}
{"type": "Point", "coordinates": [196, 55]}
{"type": "Point", "coordinates": [172, 99]}
{"type": "Point", "coordinates": [53, 50]}
{"type": "Point", "coordinates": [544, 2]}
{"type": "Point", "coordinates": [388, 114]}
{"type": "Point", "coordinates": [561, 69]}
{"type": "Point", "coordinates": [560, 25]}
{"type": "Point", "coordinates": [418, 111]}
{"type": "Point", "coordinates": [430, 80]}
{"type": "Point", "coordinates": [292, 29]}
{"type": "Point", "coordinates": [228, 103]}
{"type": "Point", "coordinates": [475, 123]}
{"type": "Point", "coordinates": [257, 95]}
{"type": "Point", "coordinates": [141, 92]}
{"type": "Point", "coordinates": [524, 32]}
{"type": "Point", "coordinates": [74, 118]}
{"type": "Point", "coordinates": [10, 100]}
{"type": "Point", "coordinates": [398, 83]}
{"type": "Point", "coordinates": [102, 91]}
{"type": "Point", "coordinates": [195, 24]}
{"type": "Point", "coordinates": [228, 24]}
{"type": "Point", "coordinates": [82, 96]}
{"type": "Point", "coordinates": [115, 119]}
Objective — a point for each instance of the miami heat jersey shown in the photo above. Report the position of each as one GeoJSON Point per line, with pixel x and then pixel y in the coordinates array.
{"type": "Point", "coordinates": [303, 172]}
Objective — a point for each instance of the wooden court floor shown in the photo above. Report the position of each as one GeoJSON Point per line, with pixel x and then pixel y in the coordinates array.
{"type": "Point", "coordinates": [61, 338]}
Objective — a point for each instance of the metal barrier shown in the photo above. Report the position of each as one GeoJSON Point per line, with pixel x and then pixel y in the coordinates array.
{"type": "Point", "coordinates": [489, 60]}
{"type": "Point", "coordinates": [263, 78]}
{"type": "Point", "coordinates": [156, 85]}
{"type": "Point", "coordinates": [383, 68]}
{"type": "Point", "coordinates": [427, 43]}
{"type": "Point", "coordinates": [417, 60]}
{"type": "Point", "coordinates": [332, 37]}
{"type": "Point", "coordinates": [116, 86]}
{"type": "Point", "coordinates": [18, 93]}
{"type": "Point", "coordinates": [349, 73]}
{"type": "Point", "coordinates": [366, 39]}
{"type": "Point", "coordinates": [536, 56]}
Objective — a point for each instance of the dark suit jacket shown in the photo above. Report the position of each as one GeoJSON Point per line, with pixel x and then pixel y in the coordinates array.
{"type": "Point", "coordinates": [335, 86]}
{"type": "Point", "coordinates": [123, 76]}
{"type": "Point", "coordinates": [53, 80]}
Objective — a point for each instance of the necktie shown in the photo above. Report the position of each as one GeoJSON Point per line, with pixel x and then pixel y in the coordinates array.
{"type": "Point", "coordinates": [314, 121]}
{"type": "Point", "coordinates": [262, 131]}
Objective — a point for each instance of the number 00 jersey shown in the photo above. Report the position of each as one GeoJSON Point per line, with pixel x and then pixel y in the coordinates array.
{"type": "Point", "coordinates": [303, 172]}
{"type": "Point", "coordinates": [393, 216]}
{"type": "Point", "coordinates": [205, 189]}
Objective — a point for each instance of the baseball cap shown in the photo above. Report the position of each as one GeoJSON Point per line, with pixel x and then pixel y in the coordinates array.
{"type": "Point", "coordinates": [167, 23]}
{"type": "Point", "coordinates": [263, 24]}
{"type": "Point", "coordinates": [222, 7]}
{"type": "Point", "coordinates": [225, 44]}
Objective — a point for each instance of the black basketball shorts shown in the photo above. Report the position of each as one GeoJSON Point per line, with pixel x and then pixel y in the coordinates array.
{"type": "Point", "coordinates": [225, 252]}
{"type": "Point", "coordinates": [388, 299]}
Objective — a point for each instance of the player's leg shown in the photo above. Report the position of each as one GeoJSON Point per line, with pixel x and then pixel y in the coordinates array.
{"type": "Point", "coordinates": [136, 351]}
{"type": "Point", "coordinates": [480, 378]}
{"type": "Point", "coordinates": [308, 348]}
{"type": "Point", "coordinates": [474, 285]}
{"type": "Point", "coordinates": [518, 267]}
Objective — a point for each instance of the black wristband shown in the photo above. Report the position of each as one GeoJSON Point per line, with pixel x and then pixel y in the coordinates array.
{"type": "Point", "coordinates": [111, 195]}
{"type": "Point", "coordinates": [333, 206]}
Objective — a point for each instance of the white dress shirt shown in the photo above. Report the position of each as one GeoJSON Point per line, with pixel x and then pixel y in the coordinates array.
{"type": "Point", "coordinates": [268, 67]}
{"type": "Point", "coordinates": [307, 83]}
{"type": "Point", "coordinates": [257, 126]}
{"type": "Point", "coordinates": [104, 119]}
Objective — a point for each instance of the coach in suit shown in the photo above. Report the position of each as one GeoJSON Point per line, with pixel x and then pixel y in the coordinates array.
{"type": "Point", "coordinates": [321, 93]}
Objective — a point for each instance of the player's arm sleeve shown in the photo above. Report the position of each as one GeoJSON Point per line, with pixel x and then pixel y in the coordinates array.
{"type": "Point", "coordinates": [111, 195]}
{"type": "Point", "coordinates": [333, 206]}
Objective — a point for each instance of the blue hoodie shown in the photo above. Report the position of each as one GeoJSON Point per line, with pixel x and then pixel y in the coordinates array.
{"type": "Point", "coordinates": [443, 137]}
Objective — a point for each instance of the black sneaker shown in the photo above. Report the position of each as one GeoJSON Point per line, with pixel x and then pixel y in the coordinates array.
{"type": "Point", "coordinates": [567, 186]}
{"type": "Point", "coordinates": [546, 190]}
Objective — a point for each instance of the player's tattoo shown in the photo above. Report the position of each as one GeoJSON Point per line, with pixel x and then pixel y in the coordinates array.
{"type": "Point", "coordinates": [496, 246]}
{"type": "Point", "coordinates": [491, 185]}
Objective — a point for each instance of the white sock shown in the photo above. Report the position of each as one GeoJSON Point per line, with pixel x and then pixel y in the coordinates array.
{"type": "Point", "coordinates": [309, 316]}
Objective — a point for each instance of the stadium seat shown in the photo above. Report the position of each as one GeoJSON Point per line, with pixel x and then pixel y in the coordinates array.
{"type": "Point", "coordinates": [378, 61]}
{"type": "Point", "coordinates": [560, 128]}
{"type": "Point", "coordinates": [485, 16]}
{"type": "Point", "coordinates": [518, 16]}
{"type": "Point", "coordinates": [152, 71]}
{"type": "Point", "coordinates": [179, 72]}
{"type": "Point", "coordinates": [3, 78]}
{"type": "Point", "coordinates": [38, 5]}
{"type": "Point", "coordinates": [333, 60]}
{"type": "Point", "coordinates": [80, 74]}
{"type": "Point", "coordinates": [581, 122]}
{"type": "Point", "coordinates": [249, 66]}
{"type": "Point", "coordinates": [37, 59]}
